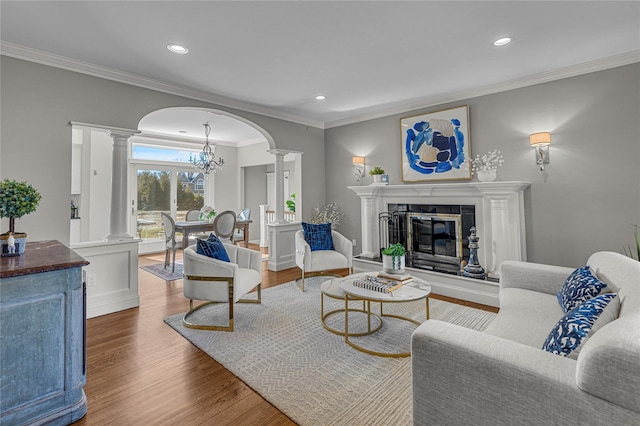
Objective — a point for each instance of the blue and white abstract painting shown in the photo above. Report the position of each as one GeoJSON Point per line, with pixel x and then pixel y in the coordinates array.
{"type": "Point", "coordinates": [435, 146]}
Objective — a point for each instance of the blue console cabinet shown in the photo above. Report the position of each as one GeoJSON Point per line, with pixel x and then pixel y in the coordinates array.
{"type": "Point", "coordinates": [42, 336]}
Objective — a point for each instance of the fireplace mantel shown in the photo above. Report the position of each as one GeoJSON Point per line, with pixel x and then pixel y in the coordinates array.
{"type": "Point", "coordinates": [499, 208]}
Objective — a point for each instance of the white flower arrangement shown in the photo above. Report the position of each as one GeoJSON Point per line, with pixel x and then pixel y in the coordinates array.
{"type": "Point", "coordinates": [329, 214]}
{"type": "Point", "coordinates": [487, 163]}
{"type": "Point", "coordinates": [207, 213]}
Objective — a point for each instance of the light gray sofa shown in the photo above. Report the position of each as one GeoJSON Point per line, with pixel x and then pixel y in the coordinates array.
{"type": "Point", "coordinates": [501, 376]}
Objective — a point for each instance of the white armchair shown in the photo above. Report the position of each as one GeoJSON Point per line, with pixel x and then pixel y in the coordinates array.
{"type": "Point", "coordinates": [323, 262]}
{"type": "Point", "coordinates": [216, 281]}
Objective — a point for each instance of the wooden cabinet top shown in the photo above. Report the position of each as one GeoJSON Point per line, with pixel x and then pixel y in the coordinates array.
{"type": "Point", "coordinates": [40, 256]}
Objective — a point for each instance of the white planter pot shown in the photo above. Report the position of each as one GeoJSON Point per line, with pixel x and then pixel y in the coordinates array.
{"type": "Point", "coordinates": [393, 264]}
{"type": "Point", "coordinates": [377, 178]}
{"type": "Point", "coordinates": [487, 175]}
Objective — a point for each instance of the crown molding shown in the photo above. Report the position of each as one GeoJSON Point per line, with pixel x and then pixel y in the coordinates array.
{"type": "Point", "coordinates": [517, 83]}
{"type": "Point", "coordinates": [44, 58]}
{"type": "Point", "coordinates": [49, 59]}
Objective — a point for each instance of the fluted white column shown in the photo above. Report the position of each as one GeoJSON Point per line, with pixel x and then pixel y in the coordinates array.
{"type": "Point", "coordinates": [119, 207]}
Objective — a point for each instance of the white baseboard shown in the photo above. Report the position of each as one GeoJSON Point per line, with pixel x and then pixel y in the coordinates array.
{"type": "Point", "coordinates": [111, 306]}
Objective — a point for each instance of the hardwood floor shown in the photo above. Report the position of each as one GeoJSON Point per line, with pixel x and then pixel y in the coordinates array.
{"type": "Point", "coordinates": [140, 371]}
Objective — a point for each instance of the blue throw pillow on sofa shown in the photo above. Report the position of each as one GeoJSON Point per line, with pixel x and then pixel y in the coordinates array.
{"type": "Point", "coordinates": [318, 236]}
{"type": "Point", "coordinates": [579, 287]}
{"type": "Point", "coordinates": [212, 247]}
{"type": "Point", "coordinates": [574, 327]}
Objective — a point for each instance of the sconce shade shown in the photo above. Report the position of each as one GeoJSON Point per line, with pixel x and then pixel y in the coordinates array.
{"type": "Point", "coordinates": [540, 139]}
{"type": "Point", "coordinates": [358, 161]}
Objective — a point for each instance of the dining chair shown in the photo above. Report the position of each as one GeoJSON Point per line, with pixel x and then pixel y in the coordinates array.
{"type": "Point", "coordinates": [224, 225]}
{"type": "Point", "coordinates": [171, 243]}
{"type": "Point", "coordinates": [192, 215]}
{"type": "Point", "coordinates": [238, 234]}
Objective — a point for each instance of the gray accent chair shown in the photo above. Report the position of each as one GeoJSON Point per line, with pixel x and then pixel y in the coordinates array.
{"type": "Point", "coordinates": [501, 376]}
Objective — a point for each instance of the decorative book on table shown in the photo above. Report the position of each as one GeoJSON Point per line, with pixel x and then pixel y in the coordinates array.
{"type": "Point", "coordinates": [380, 284]}
{"type": "Point", "coordinates": [403, 278]}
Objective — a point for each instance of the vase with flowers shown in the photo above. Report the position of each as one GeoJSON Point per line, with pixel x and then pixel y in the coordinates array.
{"type": "Point", "coordinates": [207, 213]}
{"type": "Point", "coordinates": [486, 166]}
{"type": "Point", "coordinates": [16, 200]}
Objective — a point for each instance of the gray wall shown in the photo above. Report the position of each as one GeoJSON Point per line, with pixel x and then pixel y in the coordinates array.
{"type": "Point", "coordinates": [39, 101]}
{"type": "Point", "coordinates": [255, 193]}
{"type": "Point", "coordinates": [588, 197]}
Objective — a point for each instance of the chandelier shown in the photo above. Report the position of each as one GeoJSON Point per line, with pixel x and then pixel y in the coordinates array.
{"type": "Point", "coordinates": [206, 160]}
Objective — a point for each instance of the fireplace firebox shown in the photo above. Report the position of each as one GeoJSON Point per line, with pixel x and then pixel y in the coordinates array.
{"type": "Point", "coordinates": [436, 236]}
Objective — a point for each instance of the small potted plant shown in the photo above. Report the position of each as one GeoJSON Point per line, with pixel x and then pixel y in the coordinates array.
{"type": "Point", "coordinates": [377, 173]}
{"type": "Point", "coordinates": [291, 203]}
{"type": "Point", "coordinates": [393, 259]}
{"type": "Point", "coordinates": [16, 200]}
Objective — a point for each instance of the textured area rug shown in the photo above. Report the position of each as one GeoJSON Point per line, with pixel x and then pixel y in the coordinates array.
{"type": "Point", "coordinates": [281, 350]}
{"type": "Point", "coordinates": [158, 270]}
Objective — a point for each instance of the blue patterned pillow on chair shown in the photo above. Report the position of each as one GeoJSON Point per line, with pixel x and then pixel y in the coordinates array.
{"type": "Point", "coordinates": [575, 326]}
{"type": "Point", "coordinates": [318, 236]}
{"type": "Point", "coordinates": [212, 247]}
{"type": "Point", "coordinates": [579, 287]}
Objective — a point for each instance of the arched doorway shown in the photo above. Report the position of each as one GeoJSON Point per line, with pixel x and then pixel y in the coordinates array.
{"type": "Point", "coordinates": [243, 144]}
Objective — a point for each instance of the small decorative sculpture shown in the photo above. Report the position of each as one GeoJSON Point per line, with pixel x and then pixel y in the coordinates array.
{"type": "Point", "coordinates": [11, 244]}
{"type": "Point", "coordinates": [473, 268]}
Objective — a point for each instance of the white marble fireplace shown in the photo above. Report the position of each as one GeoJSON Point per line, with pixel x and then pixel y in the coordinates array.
{"type": "Point", "coordinates": [500, 224]}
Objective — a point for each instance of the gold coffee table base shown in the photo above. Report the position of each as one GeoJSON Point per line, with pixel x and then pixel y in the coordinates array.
{"type": "Point", "coordinates": [382, 314]}
{"type": "Point", "coordinates": [326, 315]}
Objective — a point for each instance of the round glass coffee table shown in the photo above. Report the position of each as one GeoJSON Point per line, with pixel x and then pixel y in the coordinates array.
{"type": "Point", "coordinates": [413, 291]}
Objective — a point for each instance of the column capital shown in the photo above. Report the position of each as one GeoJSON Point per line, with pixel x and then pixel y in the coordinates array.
{"type": "Point", "coordinates": [121, 134]}
{"type": "Point", "coordinates": [282, 152]}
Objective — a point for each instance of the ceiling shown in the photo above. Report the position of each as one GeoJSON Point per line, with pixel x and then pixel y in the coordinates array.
{"type": "Point", "coordinates": [368, 58]}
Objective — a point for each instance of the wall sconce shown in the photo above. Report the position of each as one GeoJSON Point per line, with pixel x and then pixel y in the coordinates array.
{"type": "Point", "coordinates": [541, 141]}
{"type": "Point", "coordinates": [358, 164]}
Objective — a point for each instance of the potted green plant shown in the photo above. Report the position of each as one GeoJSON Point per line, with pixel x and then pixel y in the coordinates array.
{"type": "Point", "coordinates": [634, 253]}
{"type": "Point", "coordinates": [393, 259]}
{"type": "Point", "coordinates": [377, 173]}
{"type": "Point", "coordinates": [291, 203]}
{"type": "Point", "coordinates": [16, 200]}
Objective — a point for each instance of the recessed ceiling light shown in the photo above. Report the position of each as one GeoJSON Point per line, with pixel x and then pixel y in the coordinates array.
{"type": "Point", "coordinates": [321, 98]}
{"type": "Point", "coordinates": [182, 131]}
{"type": "Point", "coordinates": [177, 48]}
{"type": "Point", "coordinates": [502, 41]}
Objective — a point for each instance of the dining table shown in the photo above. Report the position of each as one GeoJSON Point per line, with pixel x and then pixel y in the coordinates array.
{"type": "Point", "coordinates": [193, 226]}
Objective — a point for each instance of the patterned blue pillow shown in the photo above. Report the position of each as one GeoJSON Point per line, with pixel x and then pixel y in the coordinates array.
{"type": "Point", "coordinates": [574, 327]}
{"type": "Point", "coordinates": [580, 286]}
{"type": "Point", "coordinates": [212, 247]}
{"type": "Point", "coordinates": [318, 236]}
